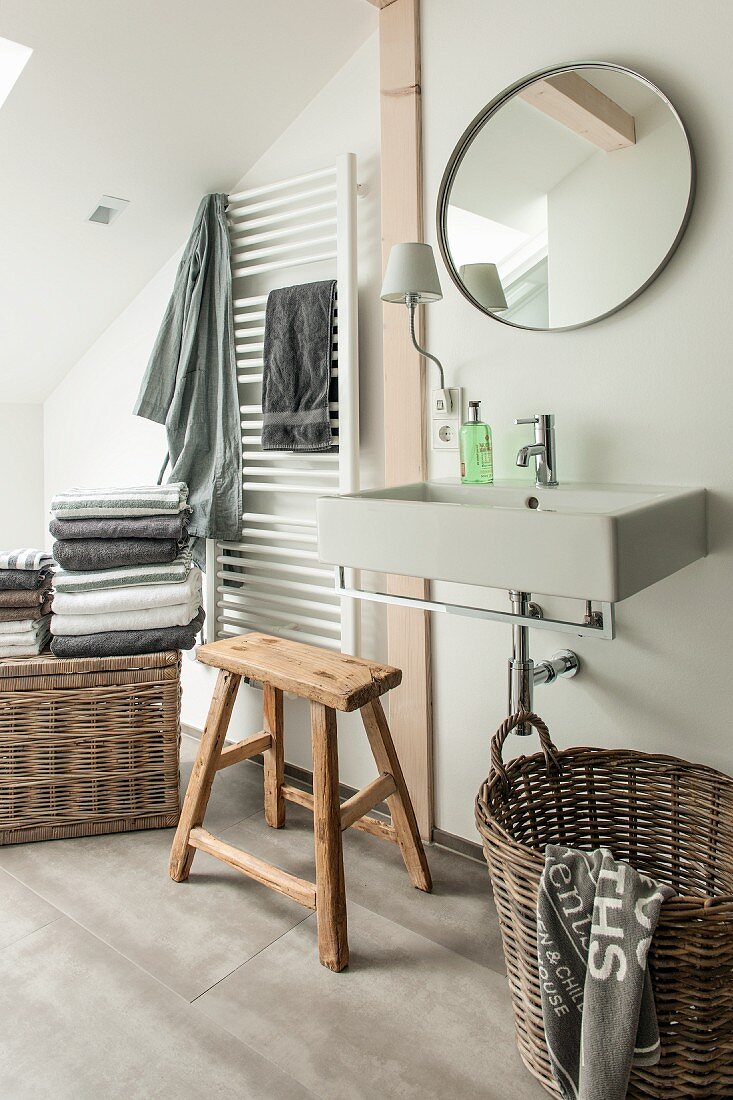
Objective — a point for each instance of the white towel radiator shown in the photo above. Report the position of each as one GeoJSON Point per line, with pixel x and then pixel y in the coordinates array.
{"type": "Point", "coordinates": [294, 230]}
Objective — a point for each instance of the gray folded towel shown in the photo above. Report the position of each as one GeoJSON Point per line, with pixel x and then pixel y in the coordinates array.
{"type": "Point", "coordinates": [123, 527]}
{"type": "Point", "coordinates": [128, 643]}
{"type": "Point", "coordinates": [92, 554]}
{"type": "Point", "coordinates": [297, 368]}
{"type": "Point", "coordinates": [23, 580]}
{"type": "Point", "coordinates": [595, 920]}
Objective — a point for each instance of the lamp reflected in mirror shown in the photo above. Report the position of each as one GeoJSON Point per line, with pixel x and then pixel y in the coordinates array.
{"type": "Point", "coordinates": [483, 283]}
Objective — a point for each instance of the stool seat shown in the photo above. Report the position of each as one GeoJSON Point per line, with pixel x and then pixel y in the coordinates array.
{"type": "Point", "coordinates": [334, 679]}
{"type": "Point", "coordinates": [332, 682]}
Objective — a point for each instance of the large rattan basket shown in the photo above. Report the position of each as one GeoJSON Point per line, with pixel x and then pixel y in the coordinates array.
{"type": "Point", "coordinates": [88, 745]}
{"type": "Point", "coordinates": [670, 819]}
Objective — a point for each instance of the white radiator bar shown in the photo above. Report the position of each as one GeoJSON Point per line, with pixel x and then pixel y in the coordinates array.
{"type": "Point", "coordinates": [272, 580]}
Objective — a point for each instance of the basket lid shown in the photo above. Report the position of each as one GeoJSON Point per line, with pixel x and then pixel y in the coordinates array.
{"type": "Point", "coordinates": [47, 665]}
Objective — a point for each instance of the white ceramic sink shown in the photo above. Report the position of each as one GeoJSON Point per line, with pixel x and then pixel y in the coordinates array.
{"type": "Point", "coordinates": [599, 542]}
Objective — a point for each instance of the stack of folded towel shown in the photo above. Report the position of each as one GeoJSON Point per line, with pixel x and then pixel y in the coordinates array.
{"type": "Point", "coordinates": [26, 577]}
{"type": "Point", "coordinates": [127, 583]}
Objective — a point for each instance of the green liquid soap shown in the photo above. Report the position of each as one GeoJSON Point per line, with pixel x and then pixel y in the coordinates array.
{"type": "Point", "coordinates": [477, 460]}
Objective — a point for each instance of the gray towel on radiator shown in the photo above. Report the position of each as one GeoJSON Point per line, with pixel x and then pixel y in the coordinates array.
{"type": "Point", "coordinates": [87, 554]}
{"type": "Point", "coordinates": [297, 368]}
{"type": "Point", "coordinates": [595, 921]}
{"type": "Point", "coordinates": [129, 643]}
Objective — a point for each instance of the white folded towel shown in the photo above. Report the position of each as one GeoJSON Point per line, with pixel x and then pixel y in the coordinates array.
{"type": "Point", "coordinates": [19, 652]}
{"type": "Point", "coordinates": [16, 626]}
{"type": "Point", "coordinates": [24, 632]}
{"type": "Point", "coordinates": [142, 619]}
{"type": "Point", "coordinates": [106, 601]}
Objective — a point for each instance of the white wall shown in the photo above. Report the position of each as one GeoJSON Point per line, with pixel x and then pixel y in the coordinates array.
{"type": "Point", "coordinates": [91, 436]}
{"type": "Point", "coordinates": [93, 439]}
{"type": "Point", "coordinates": [21, 481]}
{"type": "Point", "coordinates": [612, 219]}
{"type": "Point", "coordinates": [642, 397]}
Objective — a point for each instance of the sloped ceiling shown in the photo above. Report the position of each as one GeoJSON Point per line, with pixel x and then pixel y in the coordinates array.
{"type": "Point", "coordinates": [155, 102]}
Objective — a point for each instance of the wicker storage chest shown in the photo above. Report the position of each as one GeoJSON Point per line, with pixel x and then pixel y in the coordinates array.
{"type": "Point", "coordinates": [88, 745]}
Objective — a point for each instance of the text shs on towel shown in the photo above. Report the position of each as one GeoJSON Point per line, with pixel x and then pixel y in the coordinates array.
{"type": "Point", "coordinates": [128, 583]}
{"type": "Point", "coordinates": [595, 920]}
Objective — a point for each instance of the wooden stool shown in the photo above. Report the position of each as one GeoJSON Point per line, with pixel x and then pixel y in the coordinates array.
{"type": "Point", "coordinates": [332, 682]}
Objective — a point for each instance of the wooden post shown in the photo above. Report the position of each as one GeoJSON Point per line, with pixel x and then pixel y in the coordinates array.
{"type": "Point", "coordinates": [333, 946]}
{"type": "Point", "coordinates": [400, 807]}
{"type": "Point", "coordinates": [274, 756]}
{"type": "Point", "coordinates": [405, 421]}
{"type": "Point", "coordinates": [204, 770]}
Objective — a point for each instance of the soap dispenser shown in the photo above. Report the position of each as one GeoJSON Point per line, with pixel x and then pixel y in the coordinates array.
{"type": "Point", "coordinates": [477, 462]}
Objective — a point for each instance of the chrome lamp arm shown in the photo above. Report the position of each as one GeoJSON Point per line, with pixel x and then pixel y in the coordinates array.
{"type": "Point", "coordinates": [412, 305]}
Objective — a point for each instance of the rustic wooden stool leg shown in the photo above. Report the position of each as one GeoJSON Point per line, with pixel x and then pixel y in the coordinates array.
{"type": "Point", "coordinates": [274, 757]}
{"type": "Point", "coordinates": [202, 776]}
{"type": "Point", "coordinates": [400, 803]}
{"type": "Point", "coordinates": [333, 946]}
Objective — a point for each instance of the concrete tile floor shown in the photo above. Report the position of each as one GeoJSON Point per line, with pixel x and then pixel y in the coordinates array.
{"type": "Point", "coordinates": [121, 983]}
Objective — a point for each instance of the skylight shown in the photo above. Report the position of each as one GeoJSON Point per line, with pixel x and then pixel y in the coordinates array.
{"type": "Point", "coordinates": [13, 58]}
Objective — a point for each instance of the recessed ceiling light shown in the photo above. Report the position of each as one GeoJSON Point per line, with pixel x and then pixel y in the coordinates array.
{"type": "Point", "coordinates": [107, 209]}
{"type": "Point", "coordinates": [13, 59]}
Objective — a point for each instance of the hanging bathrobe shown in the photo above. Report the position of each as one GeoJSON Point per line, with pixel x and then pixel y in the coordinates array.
{"type": "Point", "coordinates": [190, 384]}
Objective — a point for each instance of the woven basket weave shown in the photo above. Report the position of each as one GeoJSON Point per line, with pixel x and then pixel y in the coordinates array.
{"type": "Point", "coordinates": [88, 745]}
{"type": "Point", "coordinates": [670, 819]}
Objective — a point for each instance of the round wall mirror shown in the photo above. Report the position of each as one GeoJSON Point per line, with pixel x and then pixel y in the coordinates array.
{"type": "Point", "coordinates": [566, 196]}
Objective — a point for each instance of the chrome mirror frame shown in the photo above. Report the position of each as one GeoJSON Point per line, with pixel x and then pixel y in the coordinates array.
{"type": "Point", "coordinates": [464, 144]}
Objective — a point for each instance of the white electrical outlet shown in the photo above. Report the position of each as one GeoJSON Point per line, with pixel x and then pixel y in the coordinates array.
{"type": "Point", "coordinates": [444, 435]}
{"type": "Point", "coordinates": [445, 419]}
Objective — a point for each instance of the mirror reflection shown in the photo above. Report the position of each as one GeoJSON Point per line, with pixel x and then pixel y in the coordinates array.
{"type": "Point", "coordinates": [566, 197]}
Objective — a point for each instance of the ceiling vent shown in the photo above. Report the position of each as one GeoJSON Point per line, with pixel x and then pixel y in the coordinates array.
{"type": "Point", "coordinates": [108, 208]}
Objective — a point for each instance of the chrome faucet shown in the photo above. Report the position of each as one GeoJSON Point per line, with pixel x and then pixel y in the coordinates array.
{"type": "Point", "coordinates": [542, 450]}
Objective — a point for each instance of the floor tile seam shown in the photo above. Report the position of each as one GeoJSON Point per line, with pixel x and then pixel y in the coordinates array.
{"type": "Point", "coordinates": [32, 932]}
{"type": "Point", "coordinates": [32, 889]}
{"type": "Point", "coordinates": [63, 913]}
{"type": "Point", "coordinates": [254, 955]}
{"type": "Point", "coordinates": [428, 939]}
{"type": "Point", "coordinates": [184, 1001]}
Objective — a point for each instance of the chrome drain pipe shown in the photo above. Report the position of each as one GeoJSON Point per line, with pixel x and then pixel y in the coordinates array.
{"type": "Point", "coordinates": [523, 672]}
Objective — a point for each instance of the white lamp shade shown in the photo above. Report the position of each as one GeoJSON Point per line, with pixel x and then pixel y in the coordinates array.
{"type": "Point", "coordinates": [483, 283]}
{"type": "Point", "coordinates": [411, 272]}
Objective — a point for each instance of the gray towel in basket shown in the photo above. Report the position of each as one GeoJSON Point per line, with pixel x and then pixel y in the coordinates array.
{"type": "Point", "coordinates": [595, 921]}
{"type": "Point", "coordinates": [297, 368]}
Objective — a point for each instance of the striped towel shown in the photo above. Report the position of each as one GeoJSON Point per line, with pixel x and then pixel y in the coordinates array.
{"type": "Point", "coordinates": [25, 559]}
{"type": "Point", "coordinates": [172, 572]}
{"type": "Point", "coordinates": [131, 598]}
{"type": "Point", "coordinates": [138, 500]}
